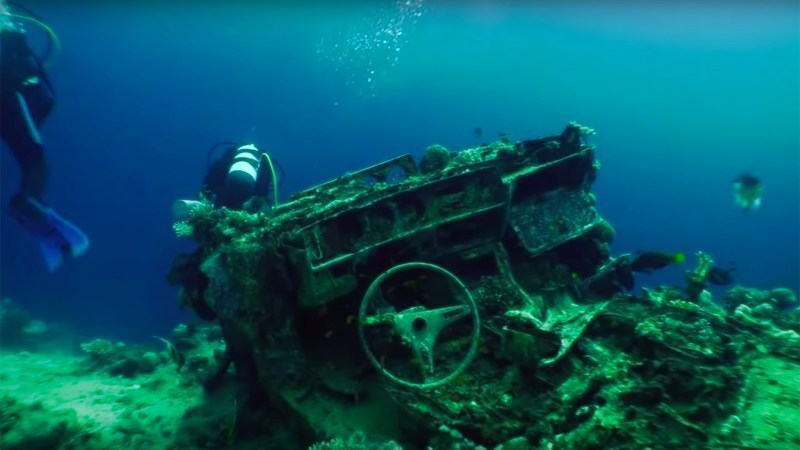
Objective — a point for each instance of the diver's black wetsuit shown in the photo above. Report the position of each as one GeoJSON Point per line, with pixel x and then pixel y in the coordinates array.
{"type": "Point", "coordinates": [26, 100]}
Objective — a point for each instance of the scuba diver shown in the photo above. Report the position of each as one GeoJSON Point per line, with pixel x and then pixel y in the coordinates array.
{"type": "Point", "coordinates": [26, 100]}
{"type": "Point", "coordinates": [747, 191]}
{"type": "Point", "coordinates": [240, 180]}
{"type": "Point", "coordinates": [237, 180]}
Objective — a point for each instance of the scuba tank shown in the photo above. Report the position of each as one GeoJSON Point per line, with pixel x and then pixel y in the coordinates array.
{"type": "Point", "coordinates": [240, 182]}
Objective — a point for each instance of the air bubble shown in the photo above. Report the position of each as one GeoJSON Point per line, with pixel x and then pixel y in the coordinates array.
{"type": "Point", "coordinates": [366, 54]}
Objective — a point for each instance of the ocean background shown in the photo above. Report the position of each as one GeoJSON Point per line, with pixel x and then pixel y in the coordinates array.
{"type": "Point", "coordinates": [684, 96]}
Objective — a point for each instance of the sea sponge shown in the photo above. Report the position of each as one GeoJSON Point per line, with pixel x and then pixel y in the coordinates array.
{"type": "Point", "coordinates": [99, 349]}
{"type": "Point", "coordinates": [436, 158]}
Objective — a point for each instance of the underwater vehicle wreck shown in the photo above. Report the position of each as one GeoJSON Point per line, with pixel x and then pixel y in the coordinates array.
{"type": "Point", "coordinates": [473, 300]}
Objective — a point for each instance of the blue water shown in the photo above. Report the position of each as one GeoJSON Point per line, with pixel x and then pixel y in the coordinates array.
{"type": "Point", "coordinates": [683, 98]}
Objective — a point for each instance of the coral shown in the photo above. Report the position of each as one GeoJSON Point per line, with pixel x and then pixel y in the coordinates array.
{"type": "Point", "coordinates": [670, 331]}
{"type": "Point", "coordinates": [740, 295]}
{"type": "Point", "coordinates": [435, 158]}
{"type": "Point", "coordinates": [604, 231]}
{"type": "Point", "coordinates": [357, 441]}
{"type": "Point", "coordinates": [120, 359]}
{"type": "Point", "coordinates": [783, 298]}
{"type": "Point", "coordinates": [100, 349]}
{"type": "Point", "coordinates": [183, 229]}
{"type": "Point", "coordinates": [767, 309]}
{"type": "Point", "coordinates": [452, 439]}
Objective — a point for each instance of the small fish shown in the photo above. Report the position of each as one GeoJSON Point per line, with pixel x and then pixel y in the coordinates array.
{"type": "Point", "coordinates": [720, 277]}
{"type": "Point", "coordinates": [747, 191]}
{"type": "Point", "coordinates": [649, 261]}
{"type": "Point", "coordinates": [174, 354]}
{"type": "Point", "coordinates": [478, 131]}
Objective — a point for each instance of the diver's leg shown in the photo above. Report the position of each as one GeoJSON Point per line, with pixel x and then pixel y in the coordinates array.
{"type": "Point", "coordinates": [22, 136]}
{"type": "Point", "coordinates": [56, 236]}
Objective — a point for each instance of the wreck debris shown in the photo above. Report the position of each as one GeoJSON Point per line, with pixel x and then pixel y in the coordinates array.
{"type": "Point", "coordinates": [397, 257]}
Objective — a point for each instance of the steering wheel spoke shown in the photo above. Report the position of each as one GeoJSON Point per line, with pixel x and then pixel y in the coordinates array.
{"type": "Point", "coordinates": [389, 318]}
{"type": "Point", "coordinates": [423, 351]}
{"type": "Point", "coordinates": [449, 314]}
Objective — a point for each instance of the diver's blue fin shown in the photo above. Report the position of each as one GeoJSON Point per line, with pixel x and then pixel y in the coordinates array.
{"type": "Point", "coordinates": [77, 241]}
{"type": "Point", "coordinates": [52, 249]}
{"type": "Point", "coordinates": [57, 237]}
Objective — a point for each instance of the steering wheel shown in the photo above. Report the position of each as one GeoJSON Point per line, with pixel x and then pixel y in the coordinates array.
{"type": "Point", "coordinates": [418, 327]}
